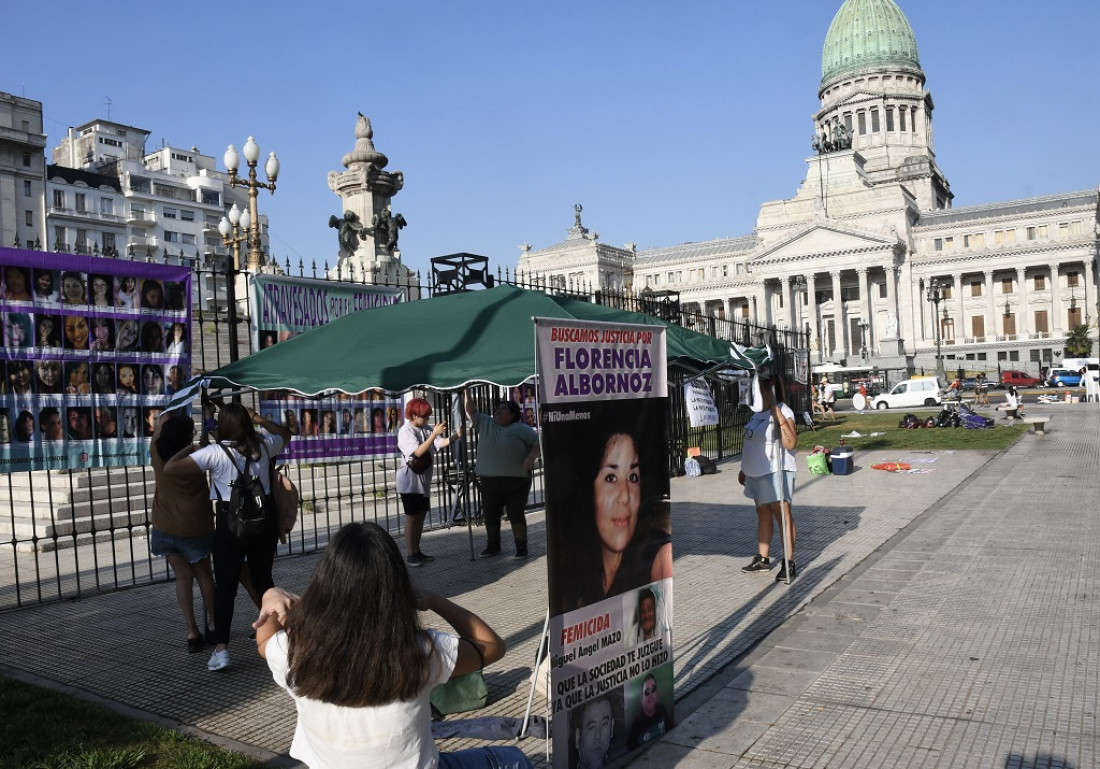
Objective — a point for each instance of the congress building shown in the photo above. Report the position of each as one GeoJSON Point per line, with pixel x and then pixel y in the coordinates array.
{"type": "Point", "coordinates": [870, 254]}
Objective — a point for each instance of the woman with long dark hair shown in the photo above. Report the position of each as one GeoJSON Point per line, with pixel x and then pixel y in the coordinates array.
{"type": "Point", "coordinates": [241, 447]}
{"type": "Point", "coordinates": [183, 522]}
{"type": "Point", "coordinates": [767, 472]}
{"type": "Point", "coordinates": [354, 655]}
{"type": "Point", "coordinates": [617, 537]}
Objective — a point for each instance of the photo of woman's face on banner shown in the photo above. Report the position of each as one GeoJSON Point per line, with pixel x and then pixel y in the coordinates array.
{"type": "Point", "coordinates": [610, 528]}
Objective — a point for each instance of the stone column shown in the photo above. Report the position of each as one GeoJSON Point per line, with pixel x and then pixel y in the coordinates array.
{"type": "Point", "coordinates": [1057, 322]}
{"type": "Point", "coordinates": [810, 315]}
{"type": "Point", "coordinates": [788, 305]}
{"type": "Point", "coordinates": [990, 305]}
{"type": "Point", "coordinates": [960, 308]}
{"type": "Point", "coordinates": [1023, 324]}
{"type": "Point", "coordinates": [839, 321]}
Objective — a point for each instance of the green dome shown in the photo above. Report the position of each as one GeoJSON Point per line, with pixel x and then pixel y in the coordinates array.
{"type": "Point", "coordinates": [867, 34]}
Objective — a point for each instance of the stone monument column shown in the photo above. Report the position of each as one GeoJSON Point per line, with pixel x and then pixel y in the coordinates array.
{"type": "Point", "coordinates": [367, 227]}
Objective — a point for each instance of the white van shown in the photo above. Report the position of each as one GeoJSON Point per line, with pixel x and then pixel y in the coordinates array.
{"type": "Point", "coordinates": [910, 393]}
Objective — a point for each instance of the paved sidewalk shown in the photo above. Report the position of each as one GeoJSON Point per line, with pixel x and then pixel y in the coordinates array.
{"type": "Point", "coordinates": [970, 638]}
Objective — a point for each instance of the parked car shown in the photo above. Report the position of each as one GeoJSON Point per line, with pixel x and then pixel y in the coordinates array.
{"type": "Point", "coordinates": [1063, 377]}
{"type": "Point", "coordinates": [911, 392]}
{"type": "Point", "coordinates": [1018, 379]}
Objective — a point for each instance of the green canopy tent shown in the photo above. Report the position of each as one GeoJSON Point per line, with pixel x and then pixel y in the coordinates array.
{"type": "Point", "coordinates": [443, 343]}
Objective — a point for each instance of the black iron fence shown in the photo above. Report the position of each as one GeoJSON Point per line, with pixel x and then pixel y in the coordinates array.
{"type": "Point", "coordinates": [70, 533]}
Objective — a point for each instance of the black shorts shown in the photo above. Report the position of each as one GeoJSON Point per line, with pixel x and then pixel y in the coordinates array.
{"type": "Point", "coordinates": [415, 504]}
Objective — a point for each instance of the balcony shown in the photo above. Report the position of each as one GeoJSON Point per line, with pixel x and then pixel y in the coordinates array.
{"type": "Point", "coordinates": [141, 217]}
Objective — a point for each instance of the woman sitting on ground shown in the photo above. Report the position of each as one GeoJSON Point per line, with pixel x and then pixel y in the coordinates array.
{"type": "Point", "coordinates": [352, 653]}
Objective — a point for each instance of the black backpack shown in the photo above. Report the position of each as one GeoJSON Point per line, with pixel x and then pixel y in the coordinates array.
{"type": "Point", "coordinates": [246, 509]}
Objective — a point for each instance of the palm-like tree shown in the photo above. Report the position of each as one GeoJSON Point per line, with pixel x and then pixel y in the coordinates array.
{"type": "Point", "coordinates": [1078, 344]}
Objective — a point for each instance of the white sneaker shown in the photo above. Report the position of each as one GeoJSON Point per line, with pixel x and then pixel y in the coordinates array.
{"type": "Point", "coordinates": [219, 660]}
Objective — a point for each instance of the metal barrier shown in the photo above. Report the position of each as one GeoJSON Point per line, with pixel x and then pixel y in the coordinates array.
{"type": "Point", "coordinates": [72, 533]}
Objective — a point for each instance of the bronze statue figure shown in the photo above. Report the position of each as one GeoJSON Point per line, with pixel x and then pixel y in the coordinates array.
{"type": "Point", "coordinates": [350, 230]}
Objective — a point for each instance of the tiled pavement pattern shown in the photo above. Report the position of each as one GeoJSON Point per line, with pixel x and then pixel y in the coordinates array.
{"type": "Point", "coordinates": [969, 639]}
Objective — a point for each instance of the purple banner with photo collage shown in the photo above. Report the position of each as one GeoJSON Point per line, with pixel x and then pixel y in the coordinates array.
{"type": "Point", "coordinates": [92, 349]}
{"type": "Point", "coordinates": [336, 426]}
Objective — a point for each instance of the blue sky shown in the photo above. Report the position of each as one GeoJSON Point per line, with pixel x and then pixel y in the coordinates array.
{"type": "Point", "coordinates": [668, 121]}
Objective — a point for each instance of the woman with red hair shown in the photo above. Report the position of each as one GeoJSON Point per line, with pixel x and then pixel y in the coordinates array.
{"type": "Point", "coordinates": [415, 441]}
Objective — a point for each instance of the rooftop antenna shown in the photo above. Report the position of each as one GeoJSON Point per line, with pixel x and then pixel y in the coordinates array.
{"type": "Point", "coordinates": [108, 103]}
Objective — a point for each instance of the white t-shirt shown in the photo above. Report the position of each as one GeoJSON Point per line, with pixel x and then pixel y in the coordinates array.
{"type": "Point", "coordinates": [758, 456]}
{"type": "Point", "coordinates": [222, 469]}
{"type": "Point", "coordinates": [397, 735]}
{"type": "Point", "coordinates": [409, 439]}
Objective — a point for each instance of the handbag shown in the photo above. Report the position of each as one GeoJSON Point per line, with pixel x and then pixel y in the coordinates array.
{"type": "Point", "coordinates": [460, 693]}
{"type": "Point", "coordinates": [285, 496]}
{"type": "Point", "coordinates": [419, 464]}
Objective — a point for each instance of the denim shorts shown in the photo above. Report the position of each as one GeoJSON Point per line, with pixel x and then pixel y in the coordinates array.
{"type": "Point", "coordinates": [761, 488]}
{"type": "Point", "coordinates": [194, 549]}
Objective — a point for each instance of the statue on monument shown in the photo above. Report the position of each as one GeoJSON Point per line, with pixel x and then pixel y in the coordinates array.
{"type": "Point", "coordinates": [836, 138]}
{"type": "Point", "coordinates": [389, 226]}
{"type": "Point", "coordinates": [350, 231]}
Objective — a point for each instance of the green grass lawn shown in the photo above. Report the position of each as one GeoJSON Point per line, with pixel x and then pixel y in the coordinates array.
{"type": "Point", "coordinates": [828, 434]}
{"type": "Point", "coordinates": [43, 729]}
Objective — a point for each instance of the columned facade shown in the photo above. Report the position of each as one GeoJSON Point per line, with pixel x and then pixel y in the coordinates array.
{"type": "Point", "coordinates": [873, 224]}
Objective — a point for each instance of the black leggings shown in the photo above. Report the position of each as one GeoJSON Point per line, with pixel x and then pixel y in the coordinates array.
{"type": "Point", "coordinates": [229, 553]}
{"type": "Point", "coordinates": [500, 493]}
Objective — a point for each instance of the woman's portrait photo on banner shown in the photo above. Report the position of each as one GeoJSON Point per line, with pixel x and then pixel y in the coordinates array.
{"type": "Point", "coordinates": [103, 334]}
{"type": "Point", "coordinates": [77, 377]}
{"type": "Point", "coordinates": [20, 377]}
{"type": "Point", "coordinates": [152, 295]}
{"type": "Point", "coordinates": [177, 339]}
{"type": "Point", "coordinates": [609, 528]}
{"type": "Point", "coordinates": [127, 379]}
{"type": "Point", "coordinates": [103, 379]}
{"type": "Point", "coordinates": [127, 333]}
{"type": "Point", "coordinates": [76, 332]}
{"type": "Point", "coordinates": [48, 377]}
{"type": "Point", "coordinates": [152, 336]}
{"type": "Point", "coordinates": [24, 430]}
{"type": "Point", "coordinates": [17, 330]}
{"type": "Point", "coordinates": [129, 422]}
{"type": "Point", "coordinates": [45, 286]}
{"type": "Point", "coordinates": [47, 332]}
{"type": "Point", "coordinates": [125, 292]}
{"type": "Point", "coordinates": [73, 290]}
{"type": "Point", "coordinates": [309, 423]}
{"type": "Point", "coordinates": [152, 380]}
{"type": "Point", "coordinates": [106, 422]}
{"type": "Point", "coordinates": [17, 283]}
{"type": "Point", "coordinates": [50, 425]}
{"type": "Point", "coordinates": [100, 289]}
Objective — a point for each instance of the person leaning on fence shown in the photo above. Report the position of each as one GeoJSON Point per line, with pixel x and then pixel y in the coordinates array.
{"type": "Point", "coordinates": [506, 452]}
{"type": "Point", "coordinates": [241, 445]}
{"type": "Point", "coordinates": [767, 472]}
{"type": "Point", "coordinates": [183, 523]}
{"type": "Point", "coordinates": [415, 439]}
{"type": "Point", "coordinates": [353, 653]}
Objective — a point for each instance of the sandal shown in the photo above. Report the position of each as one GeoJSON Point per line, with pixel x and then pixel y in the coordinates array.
{"type": "Point", "coordinates": [194, 645]}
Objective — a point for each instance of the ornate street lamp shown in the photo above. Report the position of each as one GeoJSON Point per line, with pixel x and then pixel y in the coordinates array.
{"type": "Point", "coordinates": [935, 294]}
{"type": "Point", "coordinates": [234, 230]}
{"type": "Point", "coordinates": [863, 326]}
{"type": "Point", "coordinates": [251, 226]}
